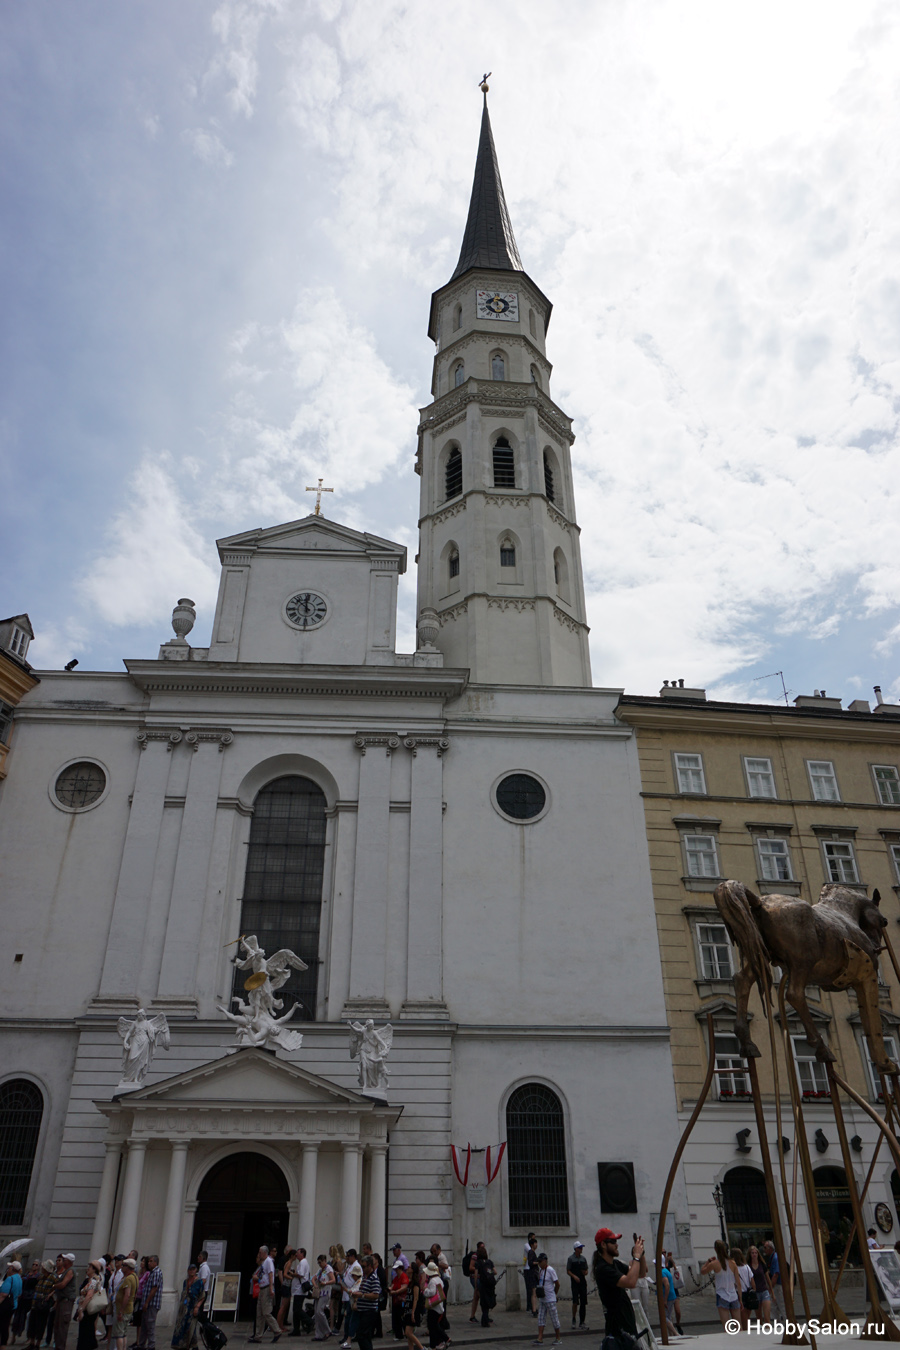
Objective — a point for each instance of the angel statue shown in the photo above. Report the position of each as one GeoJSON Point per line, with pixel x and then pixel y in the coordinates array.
{"type": "Point", "coordinates": [256, 1019]}
{"type": "Point", "coordinates": [140, 1037]}
{"type": "Point", "coordinates": [371, 1048]}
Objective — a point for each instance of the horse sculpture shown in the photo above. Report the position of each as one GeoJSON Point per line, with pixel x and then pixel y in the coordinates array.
{"type": "Point", "coordinates": [833, 943]}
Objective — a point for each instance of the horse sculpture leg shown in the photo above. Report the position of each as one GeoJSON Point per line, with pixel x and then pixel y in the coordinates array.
{"type": "Point", "coordinates": [870, 1015]}
{"type": "Point", "coordinates": [795, 993]}
{"type": "Point", "coordinates": [744, 981]}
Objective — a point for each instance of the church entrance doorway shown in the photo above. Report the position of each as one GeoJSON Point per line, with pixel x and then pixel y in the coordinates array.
{"type": "Point", "coordinates": [243, 1202]}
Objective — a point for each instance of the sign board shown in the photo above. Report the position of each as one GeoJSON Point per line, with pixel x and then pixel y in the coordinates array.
{"type": "Point", "coordinates": [887, 1271]}
{"type": "Point", "coordinates": [475, 1195]}
{"type": "Point", "coordinates": [215, 1247]}
{"type": "Point", "coordinates": [226, 1288]}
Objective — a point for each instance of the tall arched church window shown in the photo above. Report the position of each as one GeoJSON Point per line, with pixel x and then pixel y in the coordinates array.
{"type": "Point", "coordinates": [535, 378]}
{"type": "Point", "coordinates": [453, 474]}
{"type": "Point", "coordinates": [531, 324]}
{"type": "Point", "coordinates": [549, 486]}
{"type": "Point", "coordinates": [21, 1109]}
{"type": "Point", "coordinates": [453, 561]}
{"type": "Point", "coordinates": [459, 374]}
{"type": "Point", "coordinates": [457, 317]}
{"type": "Point", "coordinates": [507, 553]}
{"type": "Point", "coordinates": [561, 574]}
{"type": "Point", "coordinates": [504, 463]}
{"type": "Point", "coordinates": [536, 1158]}
{"type": "Point", "coordinates": [282, 900]}
{"type": "Point", "coordinates": [498, 367]}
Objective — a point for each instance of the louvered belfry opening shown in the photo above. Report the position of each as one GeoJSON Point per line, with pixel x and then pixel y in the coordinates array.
{"type": "Point", "coordinates": [536, 1158]}
{"type": "Point", "coordinates": [21, 1110]}
{"type": "Point", "coordinates": [453, 475]}
{"type": "Point", "coordinates": [282, 900]}
{"type": "Point", "coordinates": [504, 463]}
{"type": "Point", "coordinates": [549, 489]}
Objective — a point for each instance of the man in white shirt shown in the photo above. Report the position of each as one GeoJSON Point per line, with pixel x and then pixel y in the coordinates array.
{"type": "Point", "coordinates": [547, 1290]}
{"type": "Point", "coordinates": [351, 1280]}
{"type": "Point", "coordinates": [300, 1287]}
{"type": "Point", "coordinates": [265, 1275]}
{"type": "Point", "coordinates": [872, 1239]}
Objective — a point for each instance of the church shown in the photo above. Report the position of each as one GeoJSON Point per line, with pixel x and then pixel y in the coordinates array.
{"type": "Point", "coordinates": [451, 839]}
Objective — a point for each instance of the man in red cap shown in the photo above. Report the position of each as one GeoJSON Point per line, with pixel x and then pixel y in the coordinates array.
{"type": "Point", "coordinates": [614, 1279]}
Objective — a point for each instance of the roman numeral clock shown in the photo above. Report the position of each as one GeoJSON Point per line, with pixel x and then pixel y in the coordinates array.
{"type": "Point", "coordinates": [497, 305]}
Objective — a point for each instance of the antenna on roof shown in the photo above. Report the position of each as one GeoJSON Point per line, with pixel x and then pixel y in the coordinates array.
{"type": "Point", "coordinates": [780, 674]}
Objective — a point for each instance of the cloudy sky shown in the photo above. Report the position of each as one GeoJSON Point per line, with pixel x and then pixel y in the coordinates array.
{"type": "Point", "coordinates": [221, 225]}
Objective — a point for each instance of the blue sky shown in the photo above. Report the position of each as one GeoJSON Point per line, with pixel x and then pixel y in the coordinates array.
{"type": "Point", "coordinates": [221, 224]}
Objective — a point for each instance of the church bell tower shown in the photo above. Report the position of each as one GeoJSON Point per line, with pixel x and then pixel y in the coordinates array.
{"type": "Point", "coordinates": [499, 556]}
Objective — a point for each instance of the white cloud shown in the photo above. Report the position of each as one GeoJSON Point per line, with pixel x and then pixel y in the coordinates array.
{"type": "Point", "coordinates": [207, 146]}
{"type": "Point", "coordinates": [237, 24]}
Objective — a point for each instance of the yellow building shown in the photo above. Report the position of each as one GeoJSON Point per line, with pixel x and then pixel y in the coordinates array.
{"type": "Point", "coordinates": [16, 675]}
{"type": "Point", "coordinates": [784, 799]}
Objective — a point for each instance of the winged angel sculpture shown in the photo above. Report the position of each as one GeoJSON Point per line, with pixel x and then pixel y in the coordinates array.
{"type": "Point", "coordinates": [140, 1037]}
{"type": "Point", "coordinates": [256, 1020]}
{"type": "Point", "coordinates": [371, 1047]}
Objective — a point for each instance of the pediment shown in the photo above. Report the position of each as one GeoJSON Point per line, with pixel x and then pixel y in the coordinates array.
{"type": "Point", "coordinates": [248, 1077]}
{"type": "Point", "coordinates": [313, 534]}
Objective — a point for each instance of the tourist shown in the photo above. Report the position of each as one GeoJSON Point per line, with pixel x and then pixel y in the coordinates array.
{"type": "Point", "coordinates": [446, 1276]}
{"type": "Point", "coordinates": [546, 1292]}
{"type": "Point", "coordinates": [382, 1297]}
{"type": "Point", "coordinates": [434, 1306]}
{"type": "Point", "coordinates": [577, 1271]}
{"type": "Point", "coordinates": [773, 1265]}
{"type": "Point", "coordinates": [90, 1304]}
{"type": "Point", "coordinates": [124, 1301]}
{"type": "Point", "coordinates": [29, 1281]}
{"type": "Point", "coordinates": [63, 1298]}
{"type": "Point", "coordinates": [470, 1269]}
{"type": "Point", "coordinates": [531, 1273]}
{"type": "Point", "coordinates": [151, 1301]}
{"type": "Point", "coordinates": [614, 1278]}
{"type": "Point", "coordinates": [205, 1274]}
{"type": "Point", "coordinates": [667, 1284]}
{"type": "Point", "coordinates": [338, 1261]}
{"type": "Point", "coordinates": [409, 1308]}
{"type": "Point", "coordinates": [367, 1297]}
{"type": "Point", "coordinates": [40, 1305]}
{"type": "Point", "coordinates": [136, 1316]}
{"type": "Point", "coordinates": [726, 1280]}
{"type": "Point", "coordinates": [188, 1309]}
{"type": "Point", "coordinates": [265, 1278]}
{"type": "Point", "coordinates": [322, 1282]}
{"type": "Point", "coordinates": [288, 1270]}
{"type": "Point", "coordinates": [301, 1288]}
{"type": "Point", "coordinates": [397, 1251]}
{"type": "Point", "coordinates": [745, 1286]}
{"type": "Point", "coordinates": [485, 1284]}
{"type": "Point", "coordinates": [399, 1298]}
{"type": "Point", "coordinates": [678, 1282]}
{"type": "Point", "coordinates": [10, 1293]}
{"type": "Point", "coordinates": [417, 1282]}
{"type": "Point", "coordinates": [872, 1239]}
{"type": "Point", "coordinates": [351, 1279]}
{"type": "Point", "coordinates": [761, 1284]}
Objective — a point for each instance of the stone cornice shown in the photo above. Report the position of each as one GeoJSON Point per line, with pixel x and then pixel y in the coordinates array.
{"type": "Point", "coordinates": [475, 337]}
{"type": "Point", "coordinates": [224, 1120]}
{"type": "Point", "coordinates": [499, 498]}
{"type": "Point", "coordinates": [767, 720]}
{"type": "Point", "coordinates": [332, 681]}
{"type": "Point", "coordinates": [492, 396]}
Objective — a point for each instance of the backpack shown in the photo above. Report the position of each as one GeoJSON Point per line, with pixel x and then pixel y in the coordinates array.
{"type": "Point", "coordinates": [468, 1262]}
{"type": "Point", "coordinates": [213, 1337]}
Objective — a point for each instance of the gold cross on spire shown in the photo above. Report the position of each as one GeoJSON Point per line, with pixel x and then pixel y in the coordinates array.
{"type": "Point", "coordinates": [318, 491]}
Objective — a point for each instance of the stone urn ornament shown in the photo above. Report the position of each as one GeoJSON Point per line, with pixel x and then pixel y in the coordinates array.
{"type": "Point", "coordinates": [184, 616]}
{"type": "Point", "coordinates": [427, 629]}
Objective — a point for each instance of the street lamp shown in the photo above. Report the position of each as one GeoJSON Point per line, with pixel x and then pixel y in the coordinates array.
{"type": "Point", "coordinates": [718, 1196]}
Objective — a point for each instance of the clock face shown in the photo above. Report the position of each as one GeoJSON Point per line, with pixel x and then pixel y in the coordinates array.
{"type": "Point", "coordinates": [306, 609]}
{"type": "Point", "coordinates": [497, 305]}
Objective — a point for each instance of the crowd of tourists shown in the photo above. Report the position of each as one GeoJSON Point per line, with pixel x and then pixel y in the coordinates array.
{"type": "Point", "coordinates": [116, 1294]}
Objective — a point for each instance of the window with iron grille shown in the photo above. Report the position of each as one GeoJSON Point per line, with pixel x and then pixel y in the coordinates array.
{"type": "Point", "coordinates": [453, 561]}
{"type": "Point", "coordinates": [549, 488]}
{"type": "Point", "coordinates": [282, 899]}
{"type": "Point", "coordinates": [507, 553]}
{"type": "Point", "coordinates": [745, 1198]}
{"type": "Point", "coordinates": [80, 785]}
{"type": "Point", "coordinates": [453, 474]}
{"type": "Point", "coordinates": [504, 463]}
{"type": "Point", "coordinates": [21, 1109]}
{"type": "Point", "coordinates": [536, 1159]}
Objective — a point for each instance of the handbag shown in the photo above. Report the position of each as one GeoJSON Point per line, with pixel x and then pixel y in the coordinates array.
{"type": "Point", "coordinates": [750, 1298]}
{"type": "Point", "coordinates": [98, 1303]}
{"type": "Point", "coordinates": [254, 1287]}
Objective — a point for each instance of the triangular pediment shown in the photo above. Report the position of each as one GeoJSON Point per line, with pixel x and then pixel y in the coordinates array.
{"type": "Point", "coordinates": [313, 534]}
{"type": "Point", "coordinates": [248, 1077]}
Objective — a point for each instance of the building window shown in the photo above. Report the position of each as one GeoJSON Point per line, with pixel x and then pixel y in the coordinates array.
{"type": "Point", "coordinates": [890, 1046]}
{"type": "Point", "coordinates": [561, 574]}
{"type": "Point", "coordinates": [840, 861]}
{"type": "Point", "coordinates": [702, 856]}
{"type": "Point", "coordinates": [748, 1218]}
{"type": "Point", "coordinates": [459, 374]}
{"type": "Point", "coordinates": [520, 796]}
{"type": "Point", "coordinates": [21, 1109]}
{"type": "Point", "coordinates": [6, 716]}
{"type": "Point", "coordinates": [507, 553]}
{"type": "Point", "coordinates": [715, 951]}
{"type": "Point", "coordinates": [531, 326]}
{"type": "Point", "coordinates": [282, 899]}
{"type": "Point", "coordinates": [887, 784]}
{"type": "Point", "coordinates": [760, 778]}
{"type": "Point", "coordinates": [774, 860]}
{"type": "Point", "coordinates": [454, 564]}
{"type": "Point", "coordinates": [504, 463]}
{"type": "Point", "coordinates": [457, 318]}
{"type": "Point", "coordinates": [536, 1159]}
{"type": "Point", "coordinates": [498, 367]}
{"type": "Point", "coordinates": [731, 1076]}
{"type": "Point", "coordinates": [549, 488]}
{"type": "Point", "coordinates": [689, 772]}
{"type": "Point", "coordinates": [823, 780]}
{"type": "Point", "coordinates": [18, 642]}
{"type": "Point", "coordinates": [80, 785]}
{"type": "Point", "coordinates": [894, 850]}
{"type": "Point", "coordinates": [535, 378]}
{"type": "Point", "coordinates": [811, 1072]}
{"type": "Point", "coordinates": [453, 474]}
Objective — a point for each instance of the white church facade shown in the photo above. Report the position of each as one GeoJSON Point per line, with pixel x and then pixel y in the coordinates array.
{"type": "Point", "coordinates": [452, 839]}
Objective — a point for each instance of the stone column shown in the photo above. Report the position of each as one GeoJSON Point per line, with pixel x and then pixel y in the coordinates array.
{"type": "Point", "coordinates": [293, 1236]}
{"type": "Point", "coordinates": [378, 1197]}
{"type": "Point", "coordinates": [178, 976]}
{"type": "Point", "coordinates": [131, 1195]}
{"type": "Point", "coordinates": [124, 945]}
{"type": "Point", "coordinates": [106, 1198]}
{"type": "Point", "coordinates": [424, 978]}
{"type": "Point", "coordinates": [172, 1217]}
{"type": "Point", "coordinates": [370, 890]}
{"type": "Point", "coordinates": [350, 1195]}
{"type": "Point", "coordinates": [307, 1223]}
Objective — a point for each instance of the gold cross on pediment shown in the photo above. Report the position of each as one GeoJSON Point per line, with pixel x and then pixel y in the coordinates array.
{"type": "Point", "coordinates": [318, 491]}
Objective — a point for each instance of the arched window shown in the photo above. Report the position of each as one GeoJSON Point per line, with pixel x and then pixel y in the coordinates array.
{"type": "Point", "coordinates": [498, 367]}
{"type": "Point", "coordinates": [504, 463]}
{"type": "Point", "coordinates": [535, 378]}
{"type": "Point", "coordinates": [531, 327]}
{"type": "Point", "coordinates": [536, 1158]}
{"type": "Point", "coordinates": [747, 1215]}
{"type": "Point", "coordinates": [561, 574]}
{"type": "Point", "coordinates": [507, 553]}
{"type": "Point", "coordinates": [459, 374]}
{"type": "Point", "coordinates": [453, 474]}
{"type": "Point", "coordinates": [21, 1109]}
{"type": "Point", "coordinates": [549, 487]}
{"type": "Point", "coordinates": [457, 317]}
{"type": "Point", "coordinates": [282, 901]}
{"type": "Point", "coordinates": [453, 563]}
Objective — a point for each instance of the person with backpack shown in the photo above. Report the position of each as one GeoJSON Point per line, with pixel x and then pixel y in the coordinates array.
{"type": "Point", "coordinates": [469, 1263]}
{"type": "Point", "coordinates": [531, 1273]}
{"type": "Point", "coordinates": [577, 1271]}
{"type": "Point", "coordinates": [486, 1285]}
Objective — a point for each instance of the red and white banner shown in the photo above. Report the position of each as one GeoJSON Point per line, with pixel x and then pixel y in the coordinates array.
{"type": "Point", "coordinates": [456, 1159]}
{"type": "Point", "coordinates": [493, 1157]}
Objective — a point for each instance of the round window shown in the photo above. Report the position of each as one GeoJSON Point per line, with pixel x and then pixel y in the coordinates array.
{"type": "Point", "coordinates": [80, 785]}
{"type": "Point", "coordinates": [521, 796]}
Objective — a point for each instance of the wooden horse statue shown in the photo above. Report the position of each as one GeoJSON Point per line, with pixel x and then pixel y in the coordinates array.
{"type": "Point", "coordinates": [833, 943]}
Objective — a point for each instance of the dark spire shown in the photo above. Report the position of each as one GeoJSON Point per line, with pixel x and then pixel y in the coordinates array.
{"type": "Point", "coordinates": [489, 240]}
